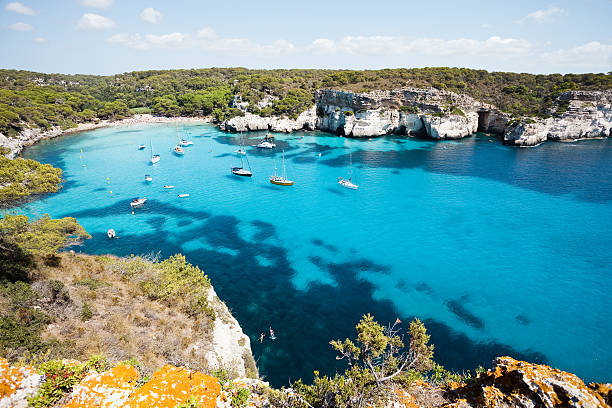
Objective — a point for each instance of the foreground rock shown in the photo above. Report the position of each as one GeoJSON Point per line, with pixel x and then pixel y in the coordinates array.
{"type": "Point", "coordinates": [513, 383]}
{"type": "Point", "coordinates": [588, 116]}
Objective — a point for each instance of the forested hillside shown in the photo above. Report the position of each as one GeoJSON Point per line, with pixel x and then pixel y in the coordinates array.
{"type": "Point", "coordinates": [46, 100]}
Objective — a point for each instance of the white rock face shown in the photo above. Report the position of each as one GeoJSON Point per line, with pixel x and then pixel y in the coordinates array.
{"type": "Point", "coordinates": [230, 348]}
{"type": "Point", "coordinates": [451, 126]}
{"type": "Point", "coordinates": [589, 115]}
{"type": "Point", "coordinates": [250, 122]}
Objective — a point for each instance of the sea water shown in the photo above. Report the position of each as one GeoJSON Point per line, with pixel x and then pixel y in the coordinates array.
{"type": "Point", "coordinates": [498, 250]}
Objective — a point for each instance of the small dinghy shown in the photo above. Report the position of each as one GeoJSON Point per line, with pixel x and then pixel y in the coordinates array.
{"type": "Point", "coordinates": [178, 150]}
{"type": "Point", "coordinates": [111, 233]}
{"type": "Point", "coordinates": [148, 178]}
{"type": "Point", "coordinates": [186, 143]}
{"type": "Point", "coordinates": [183, 195]}
{"type": "Point", "coordinates": [142, 147]}
{"type": "Point", "coordinates": [240, 152]}
{"type": "Point", "coordinates": [167, 186]}
{"type": "Point", "coordinates": [272, 336]}
{"type": "Point", "coordinates": [155, 158]}
{"type": "Point", "coordinates": [138, 202]}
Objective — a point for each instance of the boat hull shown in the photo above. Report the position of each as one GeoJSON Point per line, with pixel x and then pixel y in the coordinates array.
{"type": "Point", "coordinates": [282, 182]}
{"type": "Point", "coordinates": [241, 172]}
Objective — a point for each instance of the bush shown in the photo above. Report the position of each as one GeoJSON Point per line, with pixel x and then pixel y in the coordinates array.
{"type": "Point", "coordinates": [22, 178]}
{"type": "Point", "coordinates": [86, 312]}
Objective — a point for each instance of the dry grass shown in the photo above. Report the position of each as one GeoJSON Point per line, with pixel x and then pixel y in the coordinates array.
{"type": "Point", "coordinates": [125, 321]}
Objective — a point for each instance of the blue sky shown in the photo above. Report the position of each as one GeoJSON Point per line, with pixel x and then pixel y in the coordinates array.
{"type": "Point", "coordinates": [113, 36]}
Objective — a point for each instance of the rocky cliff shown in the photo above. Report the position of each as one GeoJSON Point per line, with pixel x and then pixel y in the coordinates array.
{"type": "Point", "coordinates": [587, 115]}
{"type": "Point", "coordinates": [438, 114]}
{"type": "Point", "coordinates": [408, 111]}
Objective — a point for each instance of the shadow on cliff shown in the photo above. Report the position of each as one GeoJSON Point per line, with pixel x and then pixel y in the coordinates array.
{"type": "Point", "coordinates": [261, 294]}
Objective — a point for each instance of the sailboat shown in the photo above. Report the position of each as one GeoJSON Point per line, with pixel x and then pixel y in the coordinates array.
{"type": "Point", "coordinates": [154, 157]}
{"type": "Point", "coordinates": [268, 142]}
{"type": "Point", "coordinates": [178, 150]}
{"type": "Point", "coordinates": [278, 180]}
{"type": "Point", "coordinates": [348, 183]}
{"type": "Point", "coordinates": [141, 146]}
{"type": "Point", "coordinates": [240, 150]}
{"type": "Point", "coordinates": [241, 171]}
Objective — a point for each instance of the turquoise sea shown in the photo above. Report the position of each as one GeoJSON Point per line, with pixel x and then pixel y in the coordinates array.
{"type": "Point", "coordinates": [499, 250]}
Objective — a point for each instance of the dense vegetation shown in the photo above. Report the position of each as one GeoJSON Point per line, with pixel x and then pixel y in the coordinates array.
{"type": "Point", "coordinates": [21, 178]}
{"type": "Point", "coordinates": [46, 100]}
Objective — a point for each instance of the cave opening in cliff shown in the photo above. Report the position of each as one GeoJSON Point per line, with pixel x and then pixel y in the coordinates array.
{"type": "Point", "coordinates": [340, 131]}
{"type": "Point", "coordinates": [483, 121]}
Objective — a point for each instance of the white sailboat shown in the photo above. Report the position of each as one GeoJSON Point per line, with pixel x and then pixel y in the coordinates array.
{"type": "Point", "coordinates": [281, 180]}
{"type": "Point", "coordinates": [348, 183]}
{"type": "Point", "coordinates": [268, 142]}
{"type": "Point", "coordinates": [154, 157]}
{"type": "Point", "coordinates": [241, 171]}
{"type": "Point", "coordinates": [178, 150]}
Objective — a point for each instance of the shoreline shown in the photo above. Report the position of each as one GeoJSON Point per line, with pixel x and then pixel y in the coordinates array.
{"type": "Point", "coordinates": [32, 136]}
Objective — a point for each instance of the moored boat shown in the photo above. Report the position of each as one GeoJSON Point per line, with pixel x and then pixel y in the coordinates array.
{"type": "Point", "coordinates": [111, 233]}
{"type": "Point", "coordinates": [178, 150]}
{"type": "Point", "coordinates": [168, 186]}
{"type": "Point", "coordinates": [138, 202]}
{"type": "Point", "coordinates": [141, 146]}
{"type": "Point", "coordinates": [148, 178]}
{"type": "Point", "coordinates": [281, 180]}
{"type": "Point", "coordinates": [183, 195]}
{"type": "Point", "coordinates": [185, 142]}
{"type": "Point", "coordinates": [347, 183]}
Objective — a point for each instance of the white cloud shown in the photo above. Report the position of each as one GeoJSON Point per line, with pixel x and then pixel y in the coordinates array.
{"type": "Point", "coordinates": [21, 27]}
{"type": "Point", "coordinates": [150, 15]}
{"type": "Point", "coordinates": [543, 16]}
{"type": "Point", "coordinates": [388, 45]}
{"type": "Point", "coordinates": [99, 4]}
{"type": "Point", "coordinates": [20, 8]}
{"type": "Point", "coordinates": [205, 39]}
{"type": "Point", "coordinates": [90, 21]}
{"type": "Point", "coordinates": [40, 40]}
{"type": "Point", "coordinates": [145, 42]}
{"type": "Point", "coordinates": [590, 56]}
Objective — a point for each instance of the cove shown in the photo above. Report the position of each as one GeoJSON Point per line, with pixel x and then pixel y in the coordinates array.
{"type": "Point", "coordinates": [498, 250]}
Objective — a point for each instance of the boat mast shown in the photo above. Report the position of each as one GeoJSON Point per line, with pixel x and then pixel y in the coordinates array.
{"type": "Point", "coordinates": [284, 172]}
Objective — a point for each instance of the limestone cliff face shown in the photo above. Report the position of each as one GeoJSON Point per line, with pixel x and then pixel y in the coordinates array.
{"type": "Point", "coordinates": [588, 115]}
{"type": "Point", "coordinates": [407, 111]}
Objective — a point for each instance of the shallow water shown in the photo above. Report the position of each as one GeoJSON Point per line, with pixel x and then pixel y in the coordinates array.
{"type": "Point", "coordinates": [499, 250]}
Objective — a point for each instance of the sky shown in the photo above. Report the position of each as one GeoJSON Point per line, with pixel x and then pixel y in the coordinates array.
{"type": "Point", "coordinates": [114, 36]}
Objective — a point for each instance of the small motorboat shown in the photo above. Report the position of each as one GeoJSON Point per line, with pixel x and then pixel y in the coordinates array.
{"type": "Point", "coordinates": [272, 336]}
{"type": "Point", "coordinates": [186, 143]}
{"type": "Point", "coordinates": [347, 183]}
{"type": "Point", "coordinates": [148, 178]}
{"type": "Point", "coordinates": [240, 152]}
{"type": "Point", "coordinates": [111, 233]}
{"type": "Point", "coordinates": [178, 150]}
{"type": "Point", "coordinates": [168, 186]}
{"type": "Point", "coordinates": [266, 145]}
{"type": "Point", "coordinates": [183, 195]}
{"type": "Point", "coordinates": [138, 202]}
{"type": "Point", "coordinates": [239, 171]}
{"type": "Point", "coordinates": [142, 147]}
{"type": "Point", "coordinates": [155, 158]}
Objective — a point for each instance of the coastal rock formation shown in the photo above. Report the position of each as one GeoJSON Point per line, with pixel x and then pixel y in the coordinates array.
{"type": "Point", "coordinates": [588, 115]}
{"type": "Point", "coordinates": [452, 126]}
{"type": "Point", "coordinates": [250, 122]}
{"type": "Point", "coordinates": [512, 383]}
{"type": "Point", "coordinates": [17, 384]}
{"type": "Point", "coordinates": [408, 111]}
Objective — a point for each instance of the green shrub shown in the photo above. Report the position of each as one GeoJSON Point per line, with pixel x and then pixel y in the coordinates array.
{"type": "Point", "coordinates": [457, 111]}
{"type": "Point", "coordinates": [86, 312]}
{"type": "Point", "coordinates": [21, 178]}
{"type": "Point", "coordinates": [59, 381]}
{"type": "Point", "coordinates": [240, 397]}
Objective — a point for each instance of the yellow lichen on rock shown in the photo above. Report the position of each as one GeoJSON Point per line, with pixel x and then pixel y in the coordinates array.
{"type": "Point", "coordinates": [405, 399]}
{"type": "Point", "coordinates": [12, 378]}
{"type": "Point", "coordinates": [171, 386]}
{"type": "Point", "coordinates": [109, 389]}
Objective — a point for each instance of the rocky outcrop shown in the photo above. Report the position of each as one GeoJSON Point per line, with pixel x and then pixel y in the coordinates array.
{"type": "Point", "coordinates": [250, 122]}
{"type": "Point", "coordinates": [512, 383]}
{"type": "Point", "coordinates": [588, 115]}
{"type": "Point", "coordinates": [408, 111]}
